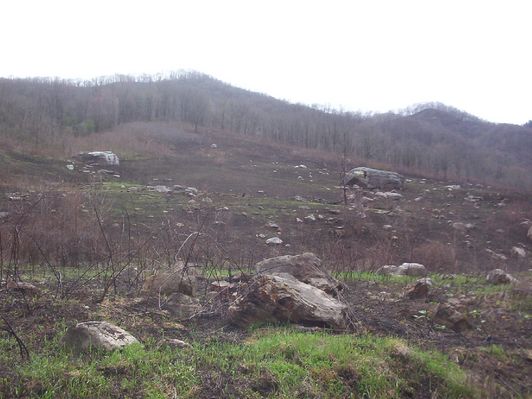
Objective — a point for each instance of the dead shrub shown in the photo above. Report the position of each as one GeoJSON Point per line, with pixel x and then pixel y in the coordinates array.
{"type": "Point", "coordinates": [436, 256]}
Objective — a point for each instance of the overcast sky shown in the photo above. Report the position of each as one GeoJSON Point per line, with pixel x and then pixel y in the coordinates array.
{"type": "Point", "coordinates": [358, 55]}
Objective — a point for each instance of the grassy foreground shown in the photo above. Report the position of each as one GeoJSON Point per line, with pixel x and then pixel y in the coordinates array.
{"type": "Point", "coordinates": [277, 363]}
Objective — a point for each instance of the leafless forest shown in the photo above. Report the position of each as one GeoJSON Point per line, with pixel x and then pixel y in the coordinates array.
{"type": "Point", "coordinates": [429, 139]}
{"type": "Point", "coordinates": [177, 237]}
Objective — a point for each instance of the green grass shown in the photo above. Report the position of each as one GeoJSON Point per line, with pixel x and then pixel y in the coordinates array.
{"type": "Point", "coordinates": [267, 207]}
{"type": "Point", "coordinates": [496, 351]}
{"type": "Point", "coordinates": [141, 203]}
{"type": "Point", "coordinates": [459, 282]}
{"type": "Point", "coordinates": [375, 277]}
{"type": "Point", "coordinates": [322, 365]}
{"type": "Point", "coordinates": [279, 363]}
{"type": "Point", "coordinates": [143, 370]}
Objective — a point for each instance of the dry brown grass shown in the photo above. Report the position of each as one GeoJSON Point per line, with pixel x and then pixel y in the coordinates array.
{"type": "Point", "coordinates": [129, 141]}
{"type": "Point", "coordinates": [436, 255]}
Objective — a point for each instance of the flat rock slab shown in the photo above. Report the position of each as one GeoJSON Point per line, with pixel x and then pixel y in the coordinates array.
{"type": "Point", "coordinates": [97, 335]}
{"type": "Point", "coordinates": [283, 298]}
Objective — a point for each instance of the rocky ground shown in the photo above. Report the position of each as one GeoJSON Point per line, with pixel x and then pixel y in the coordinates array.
{"type": "Point", "coordinates": [90, 238]}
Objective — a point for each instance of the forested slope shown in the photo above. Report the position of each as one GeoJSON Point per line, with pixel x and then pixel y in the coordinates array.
{"type": "Point", "coordinates": [431, 139]}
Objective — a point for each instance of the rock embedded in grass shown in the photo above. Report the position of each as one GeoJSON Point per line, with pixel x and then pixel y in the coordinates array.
{"type": "Point", "coordinates": [412, 269]}
{"type": "Point", "coordinates": [406, 269]}
{"type": "Point", "coordinates": [175, 343]}
{"type": "Point", "coordinates": [499, 276]}
{"type": "Point", "coordinates": [97, 335]}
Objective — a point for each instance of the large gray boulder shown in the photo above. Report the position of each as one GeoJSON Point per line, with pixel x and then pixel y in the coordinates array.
{"type": "Point", "coordinates": [373, 178]}
{"type": "Point", "coordinates": [97, 335]}
{"type": "Point", "coordinates": [283, 298]}
{"type": "Point", "coordinates": [100, 158]}
{"type": "Point", "coordinates": [305, 268]}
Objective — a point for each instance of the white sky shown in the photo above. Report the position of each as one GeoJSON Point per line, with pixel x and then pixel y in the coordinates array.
{"type": "Point", "coordinates": [372, 55]}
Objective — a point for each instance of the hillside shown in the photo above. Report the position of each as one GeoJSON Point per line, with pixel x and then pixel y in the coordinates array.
{"type": "Point", "coordinates": [434, 141]}
{"type": "Point", "coordinates": [90, 239]}
{"type": "Point", "coordinates": [389, 295]}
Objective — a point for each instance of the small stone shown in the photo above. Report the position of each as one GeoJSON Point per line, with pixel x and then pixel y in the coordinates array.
{"type": "Point", "coordinates": [274, 241]}
{"type": "Point", "coordinates": [273, 225]}
{"type": "Point", "coordinates": [176, 343]}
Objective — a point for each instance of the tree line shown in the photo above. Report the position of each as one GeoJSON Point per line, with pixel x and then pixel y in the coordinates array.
{"type": "Point", "coordinates": [427, 139]}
